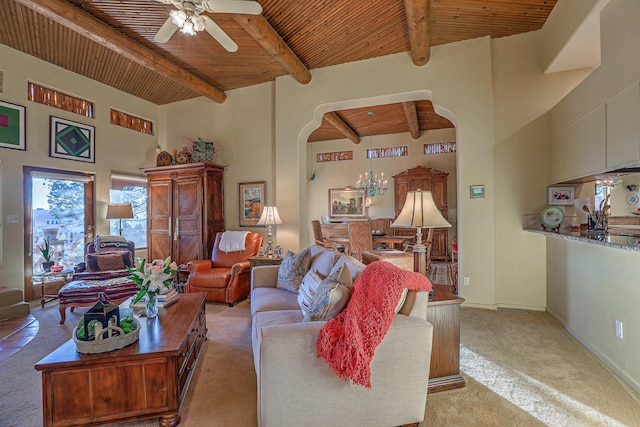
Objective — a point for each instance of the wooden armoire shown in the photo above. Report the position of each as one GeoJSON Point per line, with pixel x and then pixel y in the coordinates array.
{"type": "Point", "coordinates": [185, 210]}
{"type": "Point", "coordinates": [426, 179]}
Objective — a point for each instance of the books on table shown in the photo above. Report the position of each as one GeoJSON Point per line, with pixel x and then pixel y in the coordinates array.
{"type": "Point", "coordinates": [165, 299]}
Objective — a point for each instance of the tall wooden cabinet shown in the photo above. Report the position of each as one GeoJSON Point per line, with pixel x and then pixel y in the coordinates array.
{"type": "Point", "coordinates": [426, 179]}
{"type": "Point", "coordinates": [185, 210]}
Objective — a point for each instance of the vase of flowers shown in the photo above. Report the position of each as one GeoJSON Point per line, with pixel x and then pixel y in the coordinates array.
{"type": "Point", "coordinates": [203, 151]}
{"type": "Point", "coordinates": [152, 278]}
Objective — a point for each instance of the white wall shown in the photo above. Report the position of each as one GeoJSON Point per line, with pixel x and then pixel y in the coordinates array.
{"type": "Point", "coordinates": [587, 287]}
{"type": "Point", "coordinates": [117, 149]}
{"type": "Point", "coordinates": [242, 130]}
{"type": "Point", "coordinates": [458, 81]}
{"type": "Point", "coordinates": [522, 97]}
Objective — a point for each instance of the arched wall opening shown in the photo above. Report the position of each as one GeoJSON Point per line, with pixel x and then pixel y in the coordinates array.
{"type": "Point", "coordinates": [341, 174]}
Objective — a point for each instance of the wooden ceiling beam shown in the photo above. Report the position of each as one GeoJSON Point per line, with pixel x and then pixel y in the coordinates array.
{"type": "Point", "coordinates": [417, 12]}
{"type": "Point", "coordinates": [260, 29]}
{"type": "Point", "coordinates": [334, 120]}
{"type": "Point", "coordinates": [76, 20]}
{"type": "Point", "coordinates": [411, 114]}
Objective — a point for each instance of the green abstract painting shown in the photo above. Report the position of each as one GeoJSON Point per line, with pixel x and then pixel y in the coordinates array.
{"type": "Point", "coordinates": [12, 126]}
{"type": "Point", "coordinates": [72, 141]}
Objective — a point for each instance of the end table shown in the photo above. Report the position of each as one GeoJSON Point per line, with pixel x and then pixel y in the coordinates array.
{"type": "Point", "coordinates": [255, 261]}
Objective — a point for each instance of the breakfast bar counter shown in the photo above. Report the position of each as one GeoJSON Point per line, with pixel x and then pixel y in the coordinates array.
{"type": "Point", "coordinates": [620, 238]}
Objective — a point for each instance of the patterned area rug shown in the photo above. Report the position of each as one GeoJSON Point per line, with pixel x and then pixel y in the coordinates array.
{"type": "Point", "coordinates": [439, 274]}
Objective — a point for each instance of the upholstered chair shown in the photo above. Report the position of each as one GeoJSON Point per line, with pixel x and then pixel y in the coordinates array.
{"type": "Point", "coordinates": [226, 277]}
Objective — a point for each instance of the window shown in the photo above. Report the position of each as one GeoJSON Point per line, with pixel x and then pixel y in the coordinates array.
{"type": "Point", "coordinates": [131, 122]}
{"type": "Point", "coordinates": [59, 217]}
{"type": "Point", "coordinates": [53, 98]}
{"type": "Point", "coordinates": [131, 189]}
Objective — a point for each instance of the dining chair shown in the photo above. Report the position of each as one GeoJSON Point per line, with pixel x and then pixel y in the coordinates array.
{"type": "Point", "coordinates": [360, 239]}
{"type": "Point", "coordinates": [320, 240]}
{"type": "Point", "coordinates": [381, 226]}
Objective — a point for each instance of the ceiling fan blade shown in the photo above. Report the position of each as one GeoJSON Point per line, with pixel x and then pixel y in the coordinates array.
{"type": "Point", "coordinates": [165, 32]}
{"type": "Point", "coordinates": [232, 6]}
{"type": "Point", "coordinates": [218, 34]}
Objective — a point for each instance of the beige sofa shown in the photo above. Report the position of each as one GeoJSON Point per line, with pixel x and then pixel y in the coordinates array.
{"type": "Point", "coordinates": [296, 388]}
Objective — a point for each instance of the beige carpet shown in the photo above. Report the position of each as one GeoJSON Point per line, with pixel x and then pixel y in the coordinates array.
{"type": "Point", "coordinates": [521, 370]}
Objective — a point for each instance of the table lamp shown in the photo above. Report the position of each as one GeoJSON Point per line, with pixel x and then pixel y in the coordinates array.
{"type": "Point", "coordinates": [119, 211]}
{"type": "Point", "coordinates": [269, 217]}
{"type": "Point", "coordinates": [420, 211]}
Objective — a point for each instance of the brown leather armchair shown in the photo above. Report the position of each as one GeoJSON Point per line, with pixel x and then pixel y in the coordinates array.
{"type": "Point", "coordinates": [226, 277]}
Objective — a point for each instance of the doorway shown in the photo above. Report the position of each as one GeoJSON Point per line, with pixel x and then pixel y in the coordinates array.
{"type": "Point", "coordinates": [59, 221]}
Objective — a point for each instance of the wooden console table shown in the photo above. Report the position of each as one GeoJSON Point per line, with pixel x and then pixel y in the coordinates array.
{"type": "Point", "coordinates": [146, 379]}
{"type": "Point", "coordinates": [443, 313]}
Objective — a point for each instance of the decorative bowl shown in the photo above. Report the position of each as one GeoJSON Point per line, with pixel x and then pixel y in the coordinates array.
{"type": "Point", "coordinates": [56, 268]}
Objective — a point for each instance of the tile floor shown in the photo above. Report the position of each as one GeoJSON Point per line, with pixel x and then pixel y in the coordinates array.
{"type": "Point", "coordinates": [16, 333]}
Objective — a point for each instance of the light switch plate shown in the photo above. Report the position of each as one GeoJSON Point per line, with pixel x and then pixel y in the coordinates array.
{"type": "Point", "coordinates": [13, 219]}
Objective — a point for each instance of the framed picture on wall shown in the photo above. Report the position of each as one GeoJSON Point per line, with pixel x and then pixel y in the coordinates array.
{"type": "Point", "coordinates": [345, 203]}
{"type": "Point", "coordinates": [72, 140]}
{"type": "Point", "coordinates": [12, 126]}
{"type": "Point", "coordinates": [252, 197]}
{"type": "Point", "coordinates": [560, 195]}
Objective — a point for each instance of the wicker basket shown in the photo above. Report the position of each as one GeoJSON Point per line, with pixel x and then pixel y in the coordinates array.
{"type": "Point", "coordinates": [102, 345]}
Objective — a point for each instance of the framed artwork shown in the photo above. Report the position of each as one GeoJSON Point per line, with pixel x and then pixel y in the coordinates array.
{"type": "Point", "coordinates": [560, 195]}
{"type": "Point", "coordinates": [12, 126]}
{"type": "Point", "coordinates": [252, 196]}
{"type": "Point", "coordinates": [345, 203]}
{"type": "Point", "coordinates": [71, 140]}
{"type": "Point", "coordinates": [476, 191]}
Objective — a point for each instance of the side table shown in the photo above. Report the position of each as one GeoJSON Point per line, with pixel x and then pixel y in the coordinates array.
{"type": "Point", "coordinates": [43, 279]}
{"type": "Point", "coordinates": [443, 313]}
{"type": "Point", "coordinates": [255, 261]}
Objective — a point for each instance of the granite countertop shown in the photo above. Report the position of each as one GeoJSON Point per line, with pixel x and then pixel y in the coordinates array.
{"type": "Point", "coordinates": [621, 238]}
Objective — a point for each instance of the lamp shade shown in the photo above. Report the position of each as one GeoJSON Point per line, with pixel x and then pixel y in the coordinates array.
{"type": "Point", "coordinates": [269, 216]}
{"type": "Point", "coordinates": [119, 211]}
{"type": "Point", "coordinates": [420, 211]}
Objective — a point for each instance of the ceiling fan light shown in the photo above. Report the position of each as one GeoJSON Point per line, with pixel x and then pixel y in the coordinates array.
{"type": "Point", "coordinates": [178, 17]}
{"type": "Point", "coordinates": [198, 22]}
{"type": "Point", "coordinates": [187, 28]}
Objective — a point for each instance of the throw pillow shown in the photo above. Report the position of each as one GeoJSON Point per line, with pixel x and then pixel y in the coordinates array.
{"type": "Point", "coordinates": [292, 270]}
{"type": "Point", "coordinates": [308, 288]}
{"type": "Point", "coordinates": [332, 295]}
{"type": "Point", "coordinates": [106, 261]}
{"type": "Point", "coordinates": [355, 266]}
{"type": "Point", "coordinates": [110, 243]}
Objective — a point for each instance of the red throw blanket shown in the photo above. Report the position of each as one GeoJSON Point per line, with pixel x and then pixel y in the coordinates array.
{"type": "Point", "coordinates": [349, 340]}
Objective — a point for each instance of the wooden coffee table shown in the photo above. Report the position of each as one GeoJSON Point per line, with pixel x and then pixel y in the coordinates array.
{"type": "Point", "coordinates": [146, 379]}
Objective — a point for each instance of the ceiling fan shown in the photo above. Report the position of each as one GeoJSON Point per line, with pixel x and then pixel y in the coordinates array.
{"type": "Point", "coordinates": [187, 17]}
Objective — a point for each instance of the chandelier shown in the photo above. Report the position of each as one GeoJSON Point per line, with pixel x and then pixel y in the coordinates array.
{"type": "Point", "coordinates": [371, 185]}
{"type": "Point", "coordinates": [187, 20]}
{"type": "Point", "coordinates": [608, 180]}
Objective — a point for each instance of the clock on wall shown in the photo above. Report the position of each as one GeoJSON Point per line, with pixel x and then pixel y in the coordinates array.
{"type": "Point", "coordinates": [551, 217]}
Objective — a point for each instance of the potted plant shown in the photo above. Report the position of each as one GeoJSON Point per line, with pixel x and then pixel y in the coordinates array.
{"type": "Point", "coordinates": [45, 250]}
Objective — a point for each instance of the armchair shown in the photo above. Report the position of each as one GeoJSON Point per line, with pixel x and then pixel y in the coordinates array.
{"type": "Point", "coordinates": [104, 270]}
{"type": "Point", "coordinates": [226, 277]}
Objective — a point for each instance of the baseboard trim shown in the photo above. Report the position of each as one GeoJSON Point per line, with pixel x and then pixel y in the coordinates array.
{"type": "Point", "coordinates": [476, 305]}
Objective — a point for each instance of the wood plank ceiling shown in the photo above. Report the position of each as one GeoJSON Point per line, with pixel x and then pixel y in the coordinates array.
{"type": "Point", "coordinates": [111, 41]}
